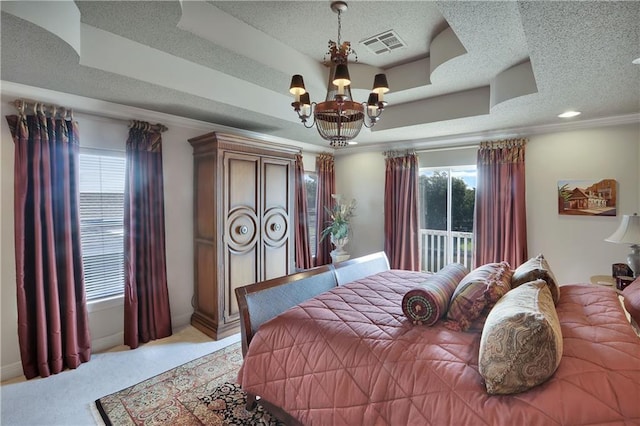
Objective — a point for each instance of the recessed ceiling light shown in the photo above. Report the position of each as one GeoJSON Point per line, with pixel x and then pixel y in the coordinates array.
{"type": "Point", "coordinates": [353, 143]}
{"type": "Point", "coordinates": [636, 61]}
{"type": "Point", "coordinates": [569, 114]}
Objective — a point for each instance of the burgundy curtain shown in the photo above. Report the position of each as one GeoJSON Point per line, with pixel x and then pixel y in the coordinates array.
{"type": "Point", "coordinates": [303, 252]}
{"type": "Point", "coordinates": [500, 218]}
{"type": "Point", "coordinates": [325, 168]}
{"type": "Point", "coordinates": [401, 227]}
{"type": "Point", "coordinates": [53, 327]}
{"type": "Point", "coordinates": [146, 298]}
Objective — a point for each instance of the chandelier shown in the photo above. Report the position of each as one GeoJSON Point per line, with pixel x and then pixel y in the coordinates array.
{"type": "Point", "coordinates": [339, 119]}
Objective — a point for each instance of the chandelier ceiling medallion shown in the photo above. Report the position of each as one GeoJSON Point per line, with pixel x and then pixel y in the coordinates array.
{"type": "Point", "coordinates": [339, 119]}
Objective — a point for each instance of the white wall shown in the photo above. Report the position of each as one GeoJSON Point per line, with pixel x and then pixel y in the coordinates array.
{"type": "Point", "coordinates": [9, 353]}
{"type": "Point", "coordinates": [573, 245]}
{"type": "Point", "coordinates": [361, 176]}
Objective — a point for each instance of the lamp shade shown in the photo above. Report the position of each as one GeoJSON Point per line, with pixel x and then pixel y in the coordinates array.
{"type": "Point", "coordinates": [305, 99]}
{"type": "Point", "coordinates": [341, 77]}
{"type": "Point", "coordinates": [373, 99]}
{"type": "Point", "coordinates": [297, 85]}
{"type": "Point", "coordinates": [628, 232]}
{"type": "Point", "coordinates": [380, 84]}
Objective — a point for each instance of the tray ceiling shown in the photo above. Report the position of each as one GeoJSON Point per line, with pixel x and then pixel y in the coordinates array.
{"type": "Point", "coordinates": [465, 67]}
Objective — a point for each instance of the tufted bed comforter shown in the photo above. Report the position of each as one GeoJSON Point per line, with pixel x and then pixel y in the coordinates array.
{"type": "Point", "coordinates": [350, 357]}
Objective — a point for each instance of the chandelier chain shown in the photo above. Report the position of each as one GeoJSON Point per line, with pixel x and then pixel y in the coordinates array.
{"type": "Point", "coordinates": [339, 26]}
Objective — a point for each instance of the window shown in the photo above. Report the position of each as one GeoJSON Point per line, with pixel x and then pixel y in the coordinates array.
{"type": "Point", "coordinates": [311, 183]}
{"type": "Point", "coordinates": [101, 224]}
{"type": "Point", "coordinates": [447, 202]}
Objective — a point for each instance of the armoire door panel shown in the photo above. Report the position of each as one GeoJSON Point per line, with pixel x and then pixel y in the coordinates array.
{"type": "Point", "coordinates": [242, 229]}
{"type": "Point", "coordinates": [204, 197]}
{"type": "Point", "coordinates": [275, 226]}
{"type": "Point", "coordinates": [242, 181]}
{"type": "Point", "coordinates": [242, 269]}
{"type": "Point", "coordinates": [207, 300]}
{"type": "Point", "coordinates": [275, 261]}
{"type": "Point", "coordinates": [275, 184]}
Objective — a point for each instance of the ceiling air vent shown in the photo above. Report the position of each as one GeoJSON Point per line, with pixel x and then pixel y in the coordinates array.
{"type": "Point", "coordinates": [383, 42]}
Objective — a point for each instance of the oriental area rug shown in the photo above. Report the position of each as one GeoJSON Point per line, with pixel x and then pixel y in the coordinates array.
{"type": "Point", "coordinates": [200, 392]}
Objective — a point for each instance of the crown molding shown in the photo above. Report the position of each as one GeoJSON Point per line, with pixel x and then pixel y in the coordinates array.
{"type": "Point", "coordinates": [465, 139]}
{"type": "Point", "coordinates": [110, 110]}
{"type": "Point", "coordinates": [113, 111]}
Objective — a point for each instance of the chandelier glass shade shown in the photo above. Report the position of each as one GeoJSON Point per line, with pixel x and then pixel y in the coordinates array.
{"type": "Point", "coordinates": [339, 118]}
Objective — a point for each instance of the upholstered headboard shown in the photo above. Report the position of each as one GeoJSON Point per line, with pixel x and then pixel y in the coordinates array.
{"type": "Point", "coordinates": [262, 301]}
{"type": "Point", "coordinates": [361, 267]}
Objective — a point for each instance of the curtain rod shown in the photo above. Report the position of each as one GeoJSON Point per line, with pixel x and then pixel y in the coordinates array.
{"type": "Point", "coordinates": [23, 105]}
{"type": "Point", "coordinates": [399, 152]}
{"type": "Point", "coordinates": [450, 148]}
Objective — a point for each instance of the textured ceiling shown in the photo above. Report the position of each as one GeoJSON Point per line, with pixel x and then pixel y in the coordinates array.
{"type": "Point", "coordinates": [468, 68]}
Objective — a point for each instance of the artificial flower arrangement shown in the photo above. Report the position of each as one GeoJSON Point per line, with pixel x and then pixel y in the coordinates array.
{"type": "Point", "coordinates": [341, 213]}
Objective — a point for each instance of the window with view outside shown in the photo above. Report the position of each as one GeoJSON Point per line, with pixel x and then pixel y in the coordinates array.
{"type": "Point", "coordinates": [447, 201]}
{"type": "Point", "coordinates": [101, 224]}
{"type": "Point", "coordinates": [311, 183]}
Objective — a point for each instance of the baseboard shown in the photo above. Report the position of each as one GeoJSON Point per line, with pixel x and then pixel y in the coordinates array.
{"type": "Point", "coordinates": [14, 370]}
{"type": "Point", "coordinates": [11, 371]}
{"type": "Point", "coordinates": [181, 321]}
{"type": "Point", "coordinates": [107, 342]}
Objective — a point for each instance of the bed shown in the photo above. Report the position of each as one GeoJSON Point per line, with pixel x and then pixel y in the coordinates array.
{"type": "Point", "coordinates": [348, 355]}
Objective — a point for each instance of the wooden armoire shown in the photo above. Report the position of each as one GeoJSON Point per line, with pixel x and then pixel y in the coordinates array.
{"type": "Point", "coordinates": [243, 223]}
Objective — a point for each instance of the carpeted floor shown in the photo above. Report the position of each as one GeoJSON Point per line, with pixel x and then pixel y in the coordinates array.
{"type": "Point", "coordinates": [68, 398]}
{"type": "Point", "coordinates": [200, 392]}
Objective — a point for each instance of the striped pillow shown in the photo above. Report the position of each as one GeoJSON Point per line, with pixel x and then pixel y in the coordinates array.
{"type": "Point", "coordinates": [477, 293]}
{"type": "Point", "coordinates": [428, 302]}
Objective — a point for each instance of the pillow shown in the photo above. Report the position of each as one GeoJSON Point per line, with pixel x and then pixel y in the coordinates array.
{"type": "Point", "coordinates": [533, 269]}
{"type": "Point", "coordinates": [477, 293]}
{"type": "Point", "coordinates": [521, 343]}
{"type": "Point", "coordinates": [426, 303]}
{"type": "Point", "coordinates": [633, 322]}
{"type": "Point", "coordinates": [631, 295]}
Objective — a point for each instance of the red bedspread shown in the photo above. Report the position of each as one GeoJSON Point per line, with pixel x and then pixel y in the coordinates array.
{"type": "Point", "coordinates": [349, 356]}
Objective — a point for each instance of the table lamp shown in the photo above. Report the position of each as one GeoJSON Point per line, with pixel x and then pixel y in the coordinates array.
{"type": "Point", "coordinates": [629, 233]}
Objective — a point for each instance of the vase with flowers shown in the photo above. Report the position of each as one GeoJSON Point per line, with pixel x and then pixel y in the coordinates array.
{"type": "Point", "coordinates": [338, 227]}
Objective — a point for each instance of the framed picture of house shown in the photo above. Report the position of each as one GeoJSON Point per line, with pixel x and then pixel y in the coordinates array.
{"type": "Point", "coordinates": [587, 197]}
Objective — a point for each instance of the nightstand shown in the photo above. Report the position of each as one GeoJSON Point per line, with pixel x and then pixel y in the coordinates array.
{"type": "Point", "coordinates": [605, 280]}
{"type": "Point", "coordinates": [623, 281]}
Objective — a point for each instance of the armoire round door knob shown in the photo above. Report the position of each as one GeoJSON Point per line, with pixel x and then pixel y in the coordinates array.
{"type": "Point", "coordinates": [243, 230]}
{"type": "Point", "coordinates": [276, 227]}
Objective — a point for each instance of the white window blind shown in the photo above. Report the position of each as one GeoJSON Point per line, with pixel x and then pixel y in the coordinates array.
{"type": "Point", "coordinates": [101, 224]}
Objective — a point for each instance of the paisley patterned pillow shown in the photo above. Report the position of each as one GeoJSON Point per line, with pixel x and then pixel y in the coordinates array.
{"type": "Point", "coordinates": [521, 343]}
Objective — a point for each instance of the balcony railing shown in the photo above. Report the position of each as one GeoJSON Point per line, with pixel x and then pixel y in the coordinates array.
{"type": "Point", "coordinates": [435, 249]}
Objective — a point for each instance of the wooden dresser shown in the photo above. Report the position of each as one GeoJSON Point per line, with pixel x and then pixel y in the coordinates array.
{"type": "Point", "coordinates": [243, 223]}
